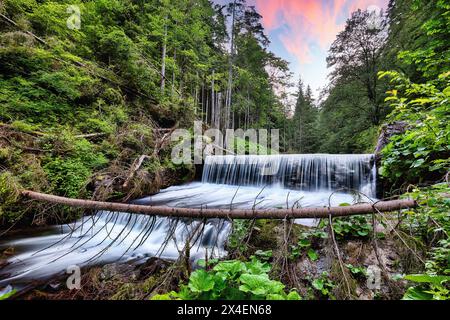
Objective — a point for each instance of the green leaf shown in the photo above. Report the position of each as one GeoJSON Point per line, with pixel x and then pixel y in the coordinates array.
{"type": "Point", "coordinates": [293, 295]}
{"type": "Point", "coordinates": [8, 294]}
{"type": "Point", "coordinates": [345, 204]}
{"type": "Point", "coordinates": [275, 296]}
{"type": "Point", "coordinates": [232, 267]}
{"type": "Point", "coordinates": [418, 163]}
{"type": "Point", "coordinates": [425, 278]}
{"type": "Point", "coordinates": [313, 255]}
{"type": "Point", "coordinates": [318, 284]}
{"type": "Point", "coordinates": [201, 281]}
{"type": "Point", "coordinates": [259, 285]}
{"type": "Point", "coordinates": [257, 267]}
{"type": "Point", "coordinates": [415, 293]}
{"type": "Point", "coordinates": [304, 243]}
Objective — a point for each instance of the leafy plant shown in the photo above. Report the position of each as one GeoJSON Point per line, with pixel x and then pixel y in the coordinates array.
{"type": "Point", "coordinates": [305, 244]}
{"type": "Point", "coordinates": [354, 226]}
{"type": "Point", "coordinates": [238, 235]}
{"type": "Point", "coordinates": [431, 287]}
{"type": "Point", "coordinates": [323, 284]}
{"type": "Point", "coordinates": [232, 279]}
{"type": "Point", "coordinates": [8, 294]}
{"type": "Point", "coordinates": [357, 271]}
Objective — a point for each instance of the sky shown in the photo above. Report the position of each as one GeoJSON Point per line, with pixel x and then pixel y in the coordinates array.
{"type": "Point", "coordinates": [301, 31]}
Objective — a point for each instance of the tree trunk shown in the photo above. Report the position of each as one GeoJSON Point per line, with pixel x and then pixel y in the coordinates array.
{"type": "Point", "coordinates": [213, 97]}
{"type": "Point", "coordinates": [163, 62]}
{"type": "Point", "coordinates": [382, 206]}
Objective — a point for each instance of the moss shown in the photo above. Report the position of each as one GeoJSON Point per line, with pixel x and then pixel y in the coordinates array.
{"type": "Point", "coordinates": [9, 195]}
{"type": "Point", "coordinates": [96, 125]}
{"type": "Point", "coordinates": [67, 177]}
{"type": "Point", "coordinates": [24, 126]}
{"type": "Point", "coordinates": [264, 237]}
{"type": "Point", "coordinates": [5, 154]}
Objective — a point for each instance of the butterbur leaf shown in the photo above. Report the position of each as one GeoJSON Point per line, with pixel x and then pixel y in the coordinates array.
{"type": "Point", "coordinates": [415, 293]}
{"type": "Point", "coordinates": [275, 297]}
{"type": "Point", "coordinates": [232, 267]}
{"type": "Point", "coordinates": [313, 255]}
{"type": "Point", "coordinates": [264, 254]}
{"type": "Point", "coordinates": [317, 284]}
{"type": "Point", "coordinates": [304, 243]}
{"type": "Point", "coordinates": [257, 267]}
{"type": "Point", "coordinates": [293, 295]}
{"type": "Point", "coordinates": [259, 285]}
{"type": "Point", "coordinates": [201, 281]}
{"type": "Point", "coordinates": [426, 278]}
{"type": "Point", "coordinates": [201, 263]}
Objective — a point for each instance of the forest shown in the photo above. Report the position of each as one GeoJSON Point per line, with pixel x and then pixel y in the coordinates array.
{"type": "Point", "coordinates": [91, 93]}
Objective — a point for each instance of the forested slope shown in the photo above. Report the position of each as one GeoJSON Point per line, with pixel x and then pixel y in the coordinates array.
{"type": "Point", "coordinates": [86, 90]}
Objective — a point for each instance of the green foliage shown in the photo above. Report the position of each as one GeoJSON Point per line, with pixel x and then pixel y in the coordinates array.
{"type": "Point", "coordinates": [431, 225]}
{"type": "Point", "coordinates": [302, 131]}
{"type": "Point", "coordinates": [352, 227]}
{"type": "Point", "coordinates": [9, 193]}
{"type": "Point", "coordinates": [421, 100]}
{"type": "Point", "coordinates": [67, 177]}
{"type": "Point", "coordinates": [324, 285]}
{"type": "Point", "coordinates": [430, 288]}
{"type": "Point", "coordinates": [236, 240]}
{"type": "Point", "coordinates": [306, 241]}
{"type": "Point", "coordinates": [246, 146]}
{"type": "Point", "coordinates": [423, 151]}
{"type": "Point", "coordinates": [357, 272]}
{"type": "Point", "coordinates": [264, 255]}
{"type": "Point", "coordinates": [233, 280]}
{"type": "Point", "coordinates": [8, 295]}
{"type": "Point", "coordinates": [69, 172]}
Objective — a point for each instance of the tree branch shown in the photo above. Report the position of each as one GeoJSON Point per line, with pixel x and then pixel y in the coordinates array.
{"type": "Point", "coordinates": [198, 213]}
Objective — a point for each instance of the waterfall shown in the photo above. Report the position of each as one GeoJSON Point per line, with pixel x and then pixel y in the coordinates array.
{"type": "Point", "coordinates": [108, 237]}
{"type": "Point", "coordinates": [308, 172]}
{"type": "Point", "coordinates": [261, 182]}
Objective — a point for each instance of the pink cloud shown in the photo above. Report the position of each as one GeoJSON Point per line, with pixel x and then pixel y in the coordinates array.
{"type": "Point", "coordinates": [308, 22]}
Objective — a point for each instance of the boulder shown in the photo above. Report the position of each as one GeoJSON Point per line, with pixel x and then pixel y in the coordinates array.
{"type": "Point", "coordinates": [387, 131]}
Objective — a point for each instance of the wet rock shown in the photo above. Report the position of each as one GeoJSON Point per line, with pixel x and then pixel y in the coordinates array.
{"type": "Point", "coordinates": [6, 290]}
{"type": "Point", "coordinates": [306, 268]}
{"type": "Point", "coordinates": [152, 266]}
{"type": "Point", "coordinates": [8, 252]}
{"type": "Point", "coordinates": [353, 251]}
{"type": "Point", "coordinates": [386, 254]}
{"type": "Point", "coordinates": [120, 271]}
{"type": "Point", "coordinates": [387, 131]}
{"type": "Point", "coordinates": [54, 286]}
{"type": "Point", "coordinates": [3, 263]}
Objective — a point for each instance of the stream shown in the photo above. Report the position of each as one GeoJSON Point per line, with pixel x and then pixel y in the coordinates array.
{"type": "Point", "coordinates": [228, 181]}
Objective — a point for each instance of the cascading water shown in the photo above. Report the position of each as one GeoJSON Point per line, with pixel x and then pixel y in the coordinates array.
{"type": "Point", "coordinates": [259, 182]}
{"type": "Point", "coordinates": [309, 172]}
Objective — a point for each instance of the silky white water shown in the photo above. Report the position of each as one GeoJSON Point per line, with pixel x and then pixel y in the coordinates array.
{"type": "Point", "coordinates": [261, 182]}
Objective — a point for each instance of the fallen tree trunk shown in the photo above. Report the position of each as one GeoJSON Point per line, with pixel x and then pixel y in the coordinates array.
{"type": "Point", "coordinates": [135, 167]}
{"type": "Point", "coordinates": [382, 206]}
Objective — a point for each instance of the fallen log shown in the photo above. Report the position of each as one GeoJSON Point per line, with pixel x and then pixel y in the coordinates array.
{"type": "Point", "coordinates": [324, 212]}
{"type": "Point", "coordinates": [135, 167]}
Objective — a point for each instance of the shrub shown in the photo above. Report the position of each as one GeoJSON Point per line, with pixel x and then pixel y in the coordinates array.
{"type": "Point", "coordinates": [233, 280]}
